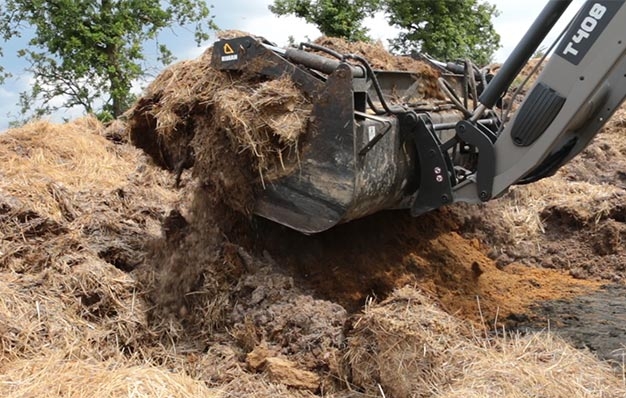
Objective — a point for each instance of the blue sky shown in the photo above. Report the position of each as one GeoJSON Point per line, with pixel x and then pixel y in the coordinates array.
{"type": "Point", "coordinates": [253, 16]}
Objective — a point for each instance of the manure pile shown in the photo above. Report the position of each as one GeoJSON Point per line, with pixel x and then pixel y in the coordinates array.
{"type": "Point", "coordinates": [125, 275]}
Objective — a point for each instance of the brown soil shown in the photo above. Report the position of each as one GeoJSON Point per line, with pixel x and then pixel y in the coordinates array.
{"type": "Point", "coordinates": [374, 256]}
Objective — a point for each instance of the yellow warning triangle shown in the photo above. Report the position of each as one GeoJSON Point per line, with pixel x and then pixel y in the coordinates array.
{"type": "Point", "coordinates": [228, 49]}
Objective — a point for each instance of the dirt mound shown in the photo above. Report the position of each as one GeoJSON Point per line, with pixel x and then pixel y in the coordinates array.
{"type": "Point", "coordinates": [373, 256]}
{"type": "Point", "coordinates": [74, 295]}
{"type": "Point", "coordinates": [296, 341]}
{"type": "Point", "coordinates": [270, 304]}
{"type": "Point", "coordinates": [61, 186]}
{"type": "Point", "coordinates": [406, 331]}
{"type": "Point", "coordinates": [57, 376]}
{"type": "Point", "coordinates": [407, 346]}
{"type": "Point", "coordinates": [76, 213]}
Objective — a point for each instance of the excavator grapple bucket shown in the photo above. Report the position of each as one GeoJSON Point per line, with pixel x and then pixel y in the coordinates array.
{"type": "Point", "coordinates": [351, 162]}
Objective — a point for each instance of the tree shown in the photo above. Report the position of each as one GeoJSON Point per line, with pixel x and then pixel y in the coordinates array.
{"type": "Point", "coordinates": [445, 29]}
{"type": "Point", "coordinates": [337, 18]}
{"type": "Point", "coordinates": [89, 52]}
{"type": "Point", "coordinates": [3, 73]}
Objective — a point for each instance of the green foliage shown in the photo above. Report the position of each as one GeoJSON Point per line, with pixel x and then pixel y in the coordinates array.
{"type": "Point", "coordinates": [3, 73]}
{"type": "Point", "coordinates": [445, 29]}
{"type": "Point", "coordinates": [337, 18]}
{"type": "Point", "coordinates": [90, 51]}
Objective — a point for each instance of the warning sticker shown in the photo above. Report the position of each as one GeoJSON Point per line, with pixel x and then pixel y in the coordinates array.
{"type": "Point", "coordinates": [228, 49]}
{"type": "Point", "coordinates": [229, 53]}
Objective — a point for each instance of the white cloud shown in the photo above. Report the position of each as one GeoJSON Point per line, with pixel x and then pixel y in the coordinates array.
{"type": "Point", "coordinates": [516, 18]}
{"type": "Point", "coordinates": [9, 102]}
{"type": "Point", "coordinates": [138, 85]}
{"type": "Point", "coordinates": [66, 113]}
{"type": "Point", "coordinates": [192, 52]}
{"type": "Point", "coordinates": [7, 96]}
{"type": "Point", "coordinates": [279, 29]}
{"type": "Point", "coordinates": [8, 107]}
{"type": "Point", "coordinates": [379, 28]}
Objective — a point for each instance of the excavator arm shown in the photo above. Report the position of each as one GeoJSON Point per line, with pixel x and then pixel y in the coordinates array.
{"type": "Point", "coordinates": [375, 142]}
{"type": "Point", "coordinates": [581, 86]}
